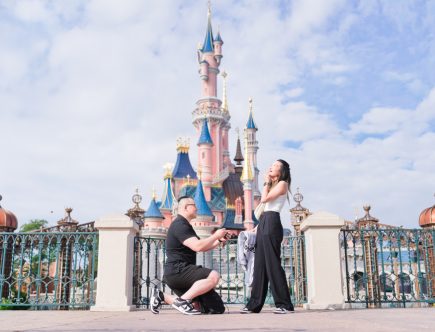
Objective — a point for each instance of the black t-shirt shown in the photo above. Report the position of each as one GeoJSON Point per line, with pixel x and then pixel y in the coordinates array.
{"type": "Point", "coordinates": [177, 253]}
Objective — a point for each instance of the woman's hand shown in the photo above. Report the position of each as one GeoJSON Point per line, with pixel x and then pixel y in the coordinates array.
{"type": "Point", "coordinates": [267, 180]}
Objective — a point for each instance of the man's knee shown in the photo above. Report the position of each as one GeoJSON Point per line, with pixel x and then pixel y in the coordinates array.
{"type": "Point", "coordinates": [214, 277]}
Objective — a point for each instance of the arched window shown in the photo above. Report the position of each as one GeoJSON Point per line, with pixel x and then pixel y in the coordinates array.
{"type": "Point", "coordinates": [387, 284]}
{"type": "Point", "coordinates": [358, 281]}
{"type": "Point", "coordinates": [404, 283]}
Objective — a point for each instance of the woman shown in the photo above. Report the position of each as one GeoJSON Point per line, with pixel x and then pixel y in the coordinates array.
{"type": "Point", "coordinates": [267, 266]}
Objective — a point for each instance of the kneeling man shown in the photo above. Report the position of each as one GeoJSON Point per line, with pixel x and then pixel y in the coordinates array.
{"type": "Point", "coordinates": [192, 283]}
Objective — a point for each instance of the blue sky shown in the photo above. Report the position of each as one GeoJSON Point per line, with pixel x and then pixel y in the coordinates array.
{"type": "Point", "coordinates": [94, 94]}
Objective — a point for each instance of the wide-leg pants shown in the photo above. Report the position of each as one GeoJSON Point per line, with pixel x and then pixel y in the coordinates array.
{"type": "Point", "coordinates": [267, 265]}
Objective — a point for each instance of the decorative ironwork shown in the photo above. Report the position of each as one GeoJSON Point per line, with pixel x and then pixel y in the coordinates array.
{"type": "Point", "coordinates": [48, 270]}
{"type": "Point", "coordinates": [388, 267]}
{"type": "Point", "coordinates": [149, 259]}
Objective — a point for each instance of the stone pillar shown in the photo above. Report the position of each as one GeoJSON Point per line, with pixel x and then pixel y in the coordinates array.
{"type": "Point", "coordinates": [115, 263]}
{"type": "Point", "coordinates": [324, 277]}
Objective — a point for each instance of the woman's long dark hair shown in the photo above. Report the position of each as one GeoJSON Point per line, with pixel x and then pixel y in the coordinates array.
{"type": "Point", "coordinates": [285, 173]}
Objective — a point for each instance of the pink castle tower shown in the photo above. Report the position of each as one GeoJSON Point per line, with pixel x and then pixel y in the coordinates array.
{"type": "Point", "coordinates": [209, 107]}
{"type": "Point", "coordinates": [205, 145]}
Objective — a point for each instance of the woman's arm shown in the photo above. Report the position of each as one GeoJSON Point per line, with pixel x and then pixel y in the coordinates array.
{"type": "Point", "coordinates": [269, 194]}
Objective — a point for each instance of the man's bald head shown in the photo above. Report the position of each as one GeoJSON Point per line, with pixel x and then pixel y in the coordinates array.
{"type": "Point", "coordinates": [186, 207]}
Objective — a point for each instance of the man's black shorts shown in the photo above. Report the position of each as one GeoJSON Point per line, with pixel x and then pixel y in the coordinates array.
{"type": "Point", "coordinates": [187, 275]}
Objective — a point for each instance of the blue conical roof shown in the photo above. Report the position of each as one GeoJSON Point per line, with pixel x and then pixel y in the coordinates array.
{"type": "Point", "coordinates": [168, 195]}
{"type": "Point", "coordinates": [205, 137]}
{"type": "Point", "coordinates": [208, 41]}
{"type": "Point", "coordinates": [153, 211]}
{"type": "Point", "coordinates": [201, 203]}
{"type": "Point", "coordinates": [183, 167]}
{"type": "Point", "coordinates": [251, 124]}
{"type": "Point", "coordinates": [218, 38]}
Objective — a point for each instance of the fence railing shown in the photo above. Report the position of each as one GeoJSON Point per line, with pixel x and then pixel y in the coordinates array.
{"type": "Point", "coordinates": [42, 270]}
{"type": "Point", "coordinates": [388, 267]}
{"type": "Point", "coordinates": [150, 257]}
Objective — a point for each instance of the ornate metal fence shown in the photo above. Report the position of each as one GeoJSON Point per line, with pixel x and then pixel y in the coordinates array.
{"type": "Point", "coordinates": [48, 270]}
{"type": "Point", "coordinates": [388, 267]}
{"type": "Point", "coordinates": [150, 258]}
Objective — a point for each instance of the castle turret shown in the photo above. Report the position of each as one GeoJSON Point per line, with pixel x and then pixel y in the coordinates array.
{"type": "Point", "coordinates": [153, 221]}
{"type": "Point", "coordinates": [183, 168]}
{"type": "Point", "coordinates": [251, 151]}
{"type": "Point", "coordinates": [247, 179]}
{"type": "Point", "coordinates": [238, 157]}
{"type": "Point", "coordinates": [168, 197]}
{"type": "Point", "coordinates": [205, 145]}
{"type": "Point", "coordinates": [204, 217]}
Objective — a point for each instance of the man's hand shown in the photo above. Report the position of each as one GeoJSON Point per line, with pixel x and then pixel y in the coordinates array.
{"type": "Point", "coordinates": [220, 233]}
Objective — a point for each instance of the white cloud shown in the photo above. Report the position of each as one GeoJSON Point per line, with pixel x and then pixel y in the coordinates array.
{"type": "Point", "coordinates": [94, 99]}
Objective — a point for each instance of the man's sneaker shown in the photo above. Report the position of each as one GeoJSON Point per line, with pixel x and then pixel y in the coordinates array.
{"type": "Point", "coordinates": [245, 310]}
{"type": "Point", "coordinates": [185, 307]}
{"type": "Point", "coordinates": [282, 311]}
{"type": "Point", "coordinates": [156, 300]}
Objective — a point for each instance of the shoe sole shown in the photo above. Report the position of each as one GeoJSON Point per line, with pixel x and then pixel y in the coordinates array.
{"type": "Point", "coordinates": [184, 312]}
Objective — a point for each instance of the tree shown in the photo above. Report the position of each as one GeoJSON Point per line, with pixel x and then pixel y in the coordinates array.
{"type": "Point", "coordinates": [33, 224]}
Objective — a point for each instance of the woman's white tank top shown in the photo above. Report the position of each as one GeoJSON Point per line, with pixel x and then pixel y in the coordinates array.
{"type": "Point", "coordinates": [277, 204]}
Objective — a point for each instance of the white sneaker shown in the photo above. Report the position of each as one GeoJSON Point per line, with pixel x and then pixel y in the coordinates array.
{"type": "Point", "coordinates": [185, 307]}
{"type": "Point", "coordinates": [282, 311]}
{"type": "Point", "coordinates": [156, 300]}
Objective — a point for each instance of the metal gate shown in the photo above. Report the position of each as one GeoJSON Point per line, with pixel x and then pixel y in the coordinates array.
{"type": "Point", "coordinates": [48, 270]}
{"type": "Point", "coordinates": [388, 267]}
{"type": "Point", "coordinates": [149, 259]}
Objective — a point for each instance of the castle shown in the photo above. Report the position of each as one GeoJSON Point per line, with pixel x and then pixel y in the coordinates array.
{"type": "Point", "coordinates": [225, 193]}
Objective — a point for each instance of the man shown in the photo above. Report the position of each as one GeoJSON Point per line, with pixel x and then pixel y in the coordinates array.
{"type": "Point", "coordinates": [189, 281]}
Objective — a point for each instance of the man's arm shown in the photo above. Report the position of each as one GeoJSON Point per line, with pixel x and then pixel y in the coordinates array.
{"type": "Point", "coordinates": [206, 244]}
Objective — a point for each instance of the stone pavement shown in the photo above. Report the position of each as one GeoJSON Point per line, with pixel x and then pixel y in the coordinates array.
{"type": "Point", "coordinates": [410, 319]}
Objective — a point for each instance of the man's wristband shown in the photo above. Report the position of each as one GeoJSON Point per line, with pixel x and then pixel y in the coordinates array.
{"type": "Point", "coordinates": [220, 240]}
{"type": "Point", "coordinates": [267, 184]}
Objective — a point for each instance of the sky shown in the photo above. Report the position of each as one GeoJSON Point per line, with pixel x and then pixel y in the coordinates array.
{"type": "Point", "coordinates": [94, 94]}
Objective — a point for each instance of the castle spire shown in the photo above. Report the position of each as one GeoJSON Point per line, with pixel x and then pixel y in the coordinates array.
{"type": "Point", "coordinates": [168, 196]}
{"type": "Point", "coordinates": [205, 137]}
{"type": "Point", "coordinates": [251, 124]}
{"type": "Point", "coordinates": [201, 204]}
{"type": "Point", "coordinates": [239, 156]}
{"type": "Point", "coordinates": [207, 46]}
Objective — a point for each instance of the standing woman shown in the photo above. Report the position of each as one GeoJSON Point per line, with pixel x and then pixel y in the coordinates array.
{"type": "Point", "coordinates": [267, 266]}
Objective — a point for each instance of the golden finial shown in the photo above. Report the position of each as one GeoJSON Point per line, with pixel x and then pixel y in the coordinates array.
{"type": "Point", "coordinates": [209, 8]}
{"type": "Point", "coordinates": [188, 179]}
{"type": "Point", "coordinates": [168, 167]}
{"type": "Point", "coordinates": [183, 144]}
{"type": "Point", "coordinates": [237, 131]}
{"type": "Point", "coordinates": [154, 193]}
{"type": "Point", "coordinates": [250, 104]}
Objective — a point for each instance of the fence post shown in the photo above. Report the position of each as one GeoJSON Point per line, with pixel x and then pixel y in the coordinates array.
{"type": "Point", "coordinates": [324, 277]}
{"type": "Point", "coordinates": [115, 263]}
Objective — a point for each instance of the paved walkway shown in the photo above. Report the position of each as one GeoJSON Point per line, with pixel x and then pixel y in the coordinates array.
{"type": "Point", "coordinates": [415, 319]}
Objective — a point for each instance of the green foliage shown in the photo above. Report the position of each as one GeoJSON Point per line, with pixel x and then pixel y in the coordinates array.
{"type": "Point", "coordinates": [7, 304]}
{"type": "Point", "coordinates": [33, 225]}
